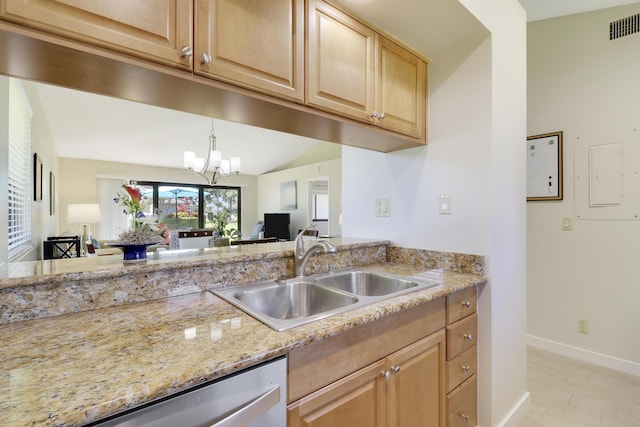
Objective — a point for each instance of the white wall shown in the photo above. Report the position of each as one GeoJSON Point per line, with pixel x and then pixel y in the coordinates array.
{"type": "Point", "coordinates": [268, 197]}
{"type": "Point", "coordinates": [477, 128]}
{"type": "Point", "coordinates": [588, 87]}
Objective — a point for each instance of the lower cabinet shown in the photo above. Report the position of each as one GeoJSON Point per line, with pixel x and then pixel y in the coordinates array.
{"type": "Point", "coordinates": [405, 389]}
{"type": "Point", "coordinates": [415, 368]}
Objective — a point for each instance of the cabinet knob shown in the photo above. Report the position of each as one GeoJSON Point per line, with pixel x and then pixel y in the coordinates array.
{"type": "Point", "coordinates": [205, 58]}
{"type": "Point", "coordinates": [465, 417]}
{"type": "Point", "coordinates": [186, 51]}
{"type": "Point", "coordinates": [395, 369]}
{"type": "Point", "coordinates": [466, 368]}
{"type": "Point", "coordinates": [386, 375]}
{"type": "Point", "coordinates": [376, 115]}
{"type": "Point", "coordinates": [466, 304]}
{"type": "Point", "coordinates": [381, 116]}
{"type": "Point", "coordinates": [468, 337]}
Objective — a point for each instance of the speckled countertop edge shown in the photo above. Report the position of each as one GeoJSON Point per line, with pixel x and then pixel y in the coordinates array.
{"type": "Point", "coordinates": [250, 344]}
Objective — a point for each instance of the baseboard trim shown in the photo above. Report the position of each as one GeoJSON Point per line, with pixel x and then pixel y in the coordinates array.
{"type": "Point", "coordinates": [606, 361]}
{"type": "Point", "coordinates": [517, 413]}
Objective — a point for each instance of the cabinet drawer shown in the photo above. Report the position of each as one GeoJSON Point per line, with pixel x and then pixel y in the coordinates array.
{"type": "Point", "coordinates": [461, 336]}
{"type": "Point", "coordinates": [461, 405]}
{"type": "Point", "coordinates": [461, 368]}
{"type": "Point", "coordinates": [461, 304]}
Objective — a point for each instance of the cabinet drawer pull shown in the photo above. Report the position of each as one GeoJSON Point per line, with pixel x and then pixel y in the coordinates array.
{"type": "Point", "coordinates": [465, 417]}
{"type": "Point", "coordinates": [466, 368]}
{"type": "Point", "coordinates": [205, 58]}
{"type": "Point", "coordinates": [468, 337]}
{"type": "Point", "coordinates": [466, 304]}
{"type": "Point", "coordinates": [186, 51]}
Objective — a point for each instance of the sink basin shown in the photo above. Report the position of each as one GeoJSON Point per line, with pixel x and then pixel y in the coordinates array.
{"type": "Point", "coordinates": [284, 304]}
{"type": "Point", "coordinates": [293, 300]}
{"type": "Point", "coordinates": [363, 282]}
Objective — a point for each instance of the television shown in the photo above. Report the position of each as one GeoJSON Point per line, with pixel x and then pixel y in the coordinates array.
{"type": "Point", "coordinates": [277, 225]}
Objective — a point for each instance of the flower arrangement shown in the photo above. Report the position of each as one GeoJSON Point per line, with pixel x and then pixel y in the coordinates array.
{"type": "Point", "coordinates": [143, 229]}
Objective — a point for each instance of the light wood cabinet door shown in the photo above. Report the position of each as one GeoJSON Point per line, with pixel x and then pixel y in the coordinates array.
{"type": "Point", "coordinates": [340, 62]}
{"type": "Point", "coordinates": [416, 393]}
{"type": "Point", "coordinates": [401, 94]}
{"type": "Point", "coordinates": [406, 389]}
{"type": "Point", "coordinates": [356, 400]}
{"type": "Point", "coordinates": [156, 30]}
{"type": "Point", "coordinates": [255, 43]}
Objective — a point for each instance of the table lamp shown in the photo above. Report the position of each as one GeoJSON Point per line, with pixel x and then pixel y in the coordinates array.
{"type": "Point", "coordinates": [85, 214]}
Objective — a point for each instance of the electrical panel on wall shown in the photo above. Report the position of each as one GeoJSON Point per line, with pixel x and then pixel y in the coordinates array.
{"type": "Point", "coordinates": [607, 178]}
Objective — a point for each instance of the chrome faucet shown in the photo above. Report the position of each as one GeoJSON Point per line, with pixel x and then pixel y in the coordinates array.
{"type": "Point", "coordinates": [300, 255]}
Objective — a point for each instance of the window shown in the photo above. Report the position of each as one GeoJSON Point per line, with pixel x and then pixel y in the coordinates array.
{"type": "Point", "coordinates": [192, 206]}
{"type": "Point", "coordinates": [19, 170]}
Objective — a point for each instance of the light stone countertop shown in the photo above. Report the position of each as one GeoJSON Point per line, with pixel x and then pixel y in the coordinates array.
{"type": "Point", "coordinates": [73, 369]}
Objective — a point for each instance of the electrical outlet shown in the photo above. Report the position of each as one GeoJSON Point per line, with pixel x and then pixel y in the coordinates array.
{"type": "Point", "coordinates": [583, 326]}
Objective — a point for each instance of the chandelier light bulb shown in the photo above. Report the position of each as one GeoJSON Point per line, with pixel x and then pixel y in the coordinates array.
{"type": "Point", "coordinates": [189, 160]}
{"type": "Point", "coordinates": [235, 164]}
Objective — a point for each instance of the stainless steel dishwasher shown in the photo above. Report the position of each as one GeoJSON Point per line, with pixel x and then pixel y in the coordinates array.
{"type": "Point", "coordinates": [255, 397]}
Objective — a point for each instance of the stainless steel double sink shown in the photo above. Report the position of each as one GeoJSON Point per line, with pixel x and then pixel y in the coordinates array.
{"type": "Point", "coordinates": [285, 304]}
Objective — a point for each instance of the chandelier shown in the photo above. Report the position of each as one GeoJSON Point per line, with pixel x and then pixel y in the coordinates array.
{"type": "Point", "coordinates": [214, 167]}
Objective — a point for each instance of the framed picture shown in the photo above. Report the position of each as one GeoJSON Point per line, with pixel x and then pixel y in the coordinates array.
{"type": "Point", "coordinates": [544, 167]}
{"type": "Point", "coordinates": [52, 193]}
{"type": "Point", "coordinates": [288, 196]}
{"type": "Point", "coordinates": [37, 178]}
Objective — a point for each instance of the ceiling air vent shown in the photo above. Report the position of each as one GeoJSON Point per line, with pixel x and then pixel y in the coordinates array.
{"type": "Point", "coordinates": [624, 27]}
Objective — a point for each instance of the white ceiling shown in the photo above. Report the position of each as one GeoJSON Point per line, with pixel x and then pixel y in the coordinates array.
{"type": "Point", "coordinates": [96, 127]}
{"type": "Point", "coordinates": [544, 9]}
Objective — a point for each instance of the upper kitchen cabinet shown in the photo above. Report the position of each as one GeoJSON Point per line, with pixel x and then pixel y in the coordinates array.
{"type": "Point", "coordinates": [156, 30]}
{"type": "Point", "coordinates": [255, 43]}
{"type": "Point", "coordinates": [401, 89]}
{"type": "Point", "coordinates": [340, 62]}
{"type": "Point", "coordinates": [356, 72]}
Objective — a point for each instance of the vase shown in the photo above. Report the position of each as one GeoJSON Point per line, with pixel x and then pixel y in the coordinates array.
{"type": "Point", "coordinates": [133, 252]}
{"type": "Point", "coordinates": [221, 241]}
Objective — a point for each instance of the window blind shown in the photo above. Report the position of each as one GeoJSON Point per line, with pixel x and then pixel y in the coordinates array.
{"type": "Point", "coordinates": [19, 170]}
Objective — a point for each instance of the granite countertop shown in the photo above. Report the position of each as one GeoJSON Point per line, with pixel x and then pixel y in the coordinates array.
{"type": "Point", "coordinates": [77, 368]}
{"type": "Point", "coordinates": [58, 270]}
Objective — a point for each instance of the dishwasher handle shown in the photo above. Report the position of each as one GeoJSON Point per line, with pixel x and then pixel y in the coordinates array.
{"type": "Point", "coordinates": [252, 409]}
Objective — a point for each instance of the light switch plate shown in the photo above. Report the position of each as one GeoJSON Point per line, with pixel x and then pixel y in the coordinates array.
{"type": "Point", "coordinates": [383, 207]}
{"type": "Point", "coordinates": [445, 204]}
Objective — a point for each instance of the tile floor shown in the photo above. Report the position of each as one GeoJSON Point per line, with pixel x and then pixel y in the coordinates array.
{"type": "Point", "coordinates": [569, 393]}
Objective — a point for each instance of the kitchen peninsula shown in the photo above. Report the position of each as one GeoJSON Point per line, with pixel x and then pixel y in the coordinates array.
{"type": "Point", "coordinates": [134, 333]}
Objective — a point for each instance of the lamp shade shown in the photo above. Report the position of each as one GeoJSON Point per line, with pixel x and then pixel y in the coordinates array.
{"type": "Point", "coordinates": [86, 213]}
